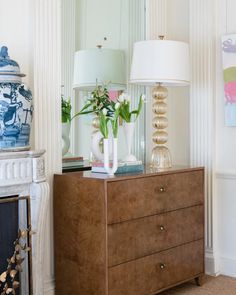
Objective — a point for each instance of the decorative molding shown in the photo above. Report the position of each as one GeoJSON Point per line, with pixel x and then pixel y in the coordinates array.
{"type": "Point", "coordinates": [68, 24]}
{"type": "Point", "coordinates": [21, 168]}
{"type": "Point", "coordinates": [211, 263]}
{"type": "Point", "coordinates": [18, 171]}
{"type": "Point", "coordinates": [21, 189]}
{"type": "Point", "coordinates": [40, 204]}
{"type": "Point", "coordinates": [156, 18]}
{"type": "Point", "coordinates": [49, 287]}
{"type": "Point", "coordinates": [136, 33]}
{"type": "Point", "coordinates": [156, 24]}
{"type": "Point", "coordinates": [20, 182]}
{"type": "Point", "coordinates": [202, 94]}
{"type": "Point", "coordinates": [39, 170]}
{"type": "Point", "coordinates": [229, 175]}
{"type": "Point", "coordinates": [47, 81]}
{"type": "Point", "coordinates": [47, 95]}
{"type": "Point", "coordinates": [228, 266]}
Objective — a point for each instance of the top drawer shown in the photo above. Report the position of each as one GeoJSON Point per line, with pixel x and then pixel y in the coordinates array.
{"type": "Point", "coordinates": [139, 197]}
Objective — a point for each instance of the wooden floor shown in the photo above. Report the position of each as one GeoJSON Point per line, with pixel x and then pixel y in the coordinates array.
{"type": "Point", "coordinates": [213, 286]}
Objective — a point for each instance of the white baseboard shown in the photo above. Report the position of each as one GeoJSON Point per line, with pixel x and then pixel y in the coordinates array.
{"type": "Point", "coordinates": [216, 264]}
{"type": "Point", "coordinates": [49, 287]}
{"type": "Point", "coordinates": [228, 266]}
{"type": "Point", "coordinates": [211, 263]}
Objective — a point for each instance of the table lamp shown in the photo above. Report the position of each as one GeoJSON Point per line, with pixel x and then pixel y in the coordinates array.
{"type": "Point", "coordinates": [160, 63]}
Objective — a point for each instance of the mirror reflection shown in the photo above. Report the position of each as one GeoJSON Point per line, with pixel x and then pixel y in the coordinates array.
{"type": "Point", "coordinates": [97, 44]}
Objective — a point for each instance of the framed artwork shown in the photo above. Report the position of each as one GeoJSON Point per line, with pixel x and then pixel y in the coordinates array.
{"type": "Point", "coordinates": [229, 70]}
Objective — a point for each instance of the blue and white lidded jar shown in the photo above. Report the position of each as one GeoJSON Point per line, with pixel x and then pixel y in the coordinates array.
{"type": "Point", "coordinates": [16, 107]}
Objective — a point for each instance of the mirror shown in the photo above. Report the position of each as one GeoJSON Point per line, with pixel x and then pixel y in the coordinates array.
{"type": "Point", "coordinates": [113, 24]}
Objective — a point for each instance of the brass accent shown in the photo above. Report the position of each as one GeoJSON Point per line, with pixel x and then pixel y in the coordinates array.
{"type": "Point", "coordinates": [162, 265]}
{"type": "Point", "coordinates": [160, 92]}
{"type": "Point", "coordinates": [160, 122]}
{"type": "Point", "coordinates": [161, 157]}
{"type": "Point", "coordinates": [159, 108]}
{"type": "Point", "coordinates": [162, 189]}
{"type": "Point", "coordinates": [30, 261]}
{"type": "Point", "coordinates": [13, 199]}
{"type": "Point", "coordinates": [24, 234]}
{"type": "Point", "coordinates": [160, 137]}
{"type": "Point", "coordinates": [96, 122]}
{"type": "Point", "coordinates": [162, 228]}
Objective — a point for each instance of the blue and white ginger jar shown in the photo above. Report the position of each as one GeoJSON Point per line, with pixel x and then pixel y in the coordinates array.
{"type": "Point", "coordinates": [16, 108]}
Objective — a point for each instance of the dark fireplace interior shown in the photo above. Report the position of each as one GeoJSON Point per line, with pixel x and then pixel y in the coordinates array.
{"type": "Point", "coordinates": [9, 225]}
{"type": "Point", "coordinates": [11, 220]}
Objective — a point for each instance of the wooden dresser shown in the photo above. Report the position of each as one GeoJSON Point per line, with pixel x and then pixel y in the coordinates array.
{"type": "Point", "coordinates": [128, 235]}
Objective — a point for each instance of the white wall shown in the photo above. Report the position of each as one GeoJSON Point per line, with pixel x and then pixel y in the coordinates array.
{"type": "Point", "coordinates": [177, 28]}
{"type": "Point", "coordinates": [16, 34]}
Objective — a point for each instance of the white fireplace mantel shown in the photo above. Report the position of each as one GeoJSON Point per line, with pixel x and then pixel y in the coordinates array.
{"type": "Point", "coordinates": [23, 174]}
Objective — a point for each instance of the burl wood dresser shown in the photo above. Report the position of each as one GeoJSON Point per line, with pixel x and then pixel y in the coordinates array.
{"type": "Point", "coordinates": [128, 235]}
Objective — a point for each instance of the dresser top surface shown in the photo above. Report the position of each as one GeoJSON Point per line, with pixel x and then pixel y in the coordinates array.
{"type": "Point", "coordinates": [146, 173]}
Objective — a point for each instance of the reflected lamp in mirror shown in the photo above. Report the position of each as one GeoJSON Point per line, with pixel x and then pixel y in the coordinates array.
{"type": "Point", "coordinates": [99, 66]}
{"type": "Point", "coordinates": [160, 63]}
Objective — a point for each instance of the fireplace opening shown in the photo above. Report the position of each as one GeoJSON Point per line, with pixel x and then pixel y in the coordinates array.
{"type": "Point", "coordinates": [15, 218]}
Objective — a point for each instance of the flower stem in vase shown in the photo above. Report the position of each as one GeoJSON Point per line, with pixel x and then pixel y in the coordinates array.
{"type": "Point", "coordinates": [129, 135]}
{"type": "Point", "coordinates": [110, 169]}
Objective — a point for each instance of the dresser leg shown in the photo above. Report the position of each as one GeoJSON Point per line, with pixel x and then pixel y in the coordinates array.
{"type": "Point", "coordinates": [200, 280]}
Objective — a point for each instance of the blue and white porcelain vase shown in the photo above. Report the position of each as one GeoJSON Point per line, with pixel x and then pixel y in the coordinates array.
{"type": "Point", "coordinates": [16, 108]}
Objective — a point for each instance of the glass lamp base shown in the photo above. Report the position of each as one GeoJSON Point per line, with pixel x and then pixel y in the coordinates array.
{"type": "Point", "coordinates": [161, 158]}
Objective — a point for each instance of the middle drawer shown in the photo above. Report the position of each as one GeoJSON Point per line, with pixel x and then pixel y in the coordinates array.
{"type": "Point", "coordinates": [144, 236]}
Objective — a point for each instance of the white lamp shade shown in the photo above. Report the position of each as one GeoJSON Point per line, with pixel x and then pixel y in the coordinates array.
{"type": "Point", "coordinates": [160, 61]}
{"type": "Point", "coordinates": [99, 66]}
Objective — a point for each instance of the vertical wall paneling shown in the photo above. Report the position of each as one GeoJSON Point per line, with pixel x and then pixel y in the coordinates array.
{"type": "Point", "coordinates": [202, 99]}
{"type": "Point", "coordinates": [47, 95]}
{"type": "Point", "coordinates": [156, 18]}
{"type": "Point", "coordinates": [68, 13]}
{"type": "Point", "coordinates": [155, 25]}
{"type": "Point", "coordinates": [136, 33]}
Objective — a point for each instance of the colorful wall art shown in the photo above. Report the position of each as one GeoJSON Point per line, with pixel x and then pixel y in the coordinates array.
{"type": "Point", "coordinates": [229, 68]}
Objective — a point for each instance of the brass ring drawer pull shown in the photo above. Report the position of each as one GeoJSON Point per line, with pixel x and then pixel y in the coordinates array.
{"type": "Point", "coordinates": [162, 228]}
{"type": "Point", "coordinates": [162, 266]}
{"type": "Point", "coordinates": [162, 189]}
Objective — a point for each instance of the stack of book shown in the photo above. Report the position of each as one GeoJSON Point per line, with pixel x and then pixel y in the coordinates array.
{"type": "Point", "coordinates": [69, 162]}
{"type": "Point", "coordinates": [123, 167]}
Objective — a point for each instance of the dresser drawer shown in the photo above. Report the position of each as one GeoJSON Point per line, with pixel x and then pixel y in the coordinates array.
{"type": "Point", "coordinates": [144, 236]}
{"type": "Point", "coordinates": [147, 275]}
{"type": "Point", "coordinates": [134, 198]}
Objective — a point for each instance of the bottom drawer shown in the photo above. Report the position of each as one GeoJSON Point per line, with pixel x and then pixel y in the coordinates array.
{"type": "Point", "coordinates": [147, 275]}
